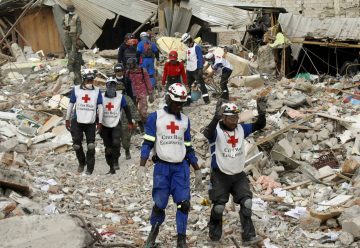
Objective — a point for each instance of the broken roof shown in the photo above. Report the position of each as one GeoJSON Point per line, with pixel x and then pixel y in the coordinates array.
{"type": "Point", "coordinates": [297, 28]}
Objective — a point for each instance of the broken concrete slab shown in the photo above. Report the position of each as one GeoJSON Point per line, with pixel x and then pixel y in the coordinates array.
{"type": "Point", "coordinates": [14, 180]}
{"type": "Point", "coordinates": [61, 231]}
{"type": "Point", "coordinates": [52, 122]}
{"type": "Point", "coordinates": [8, 145]}
{"type": "Point", "coordinates": [352, 226]}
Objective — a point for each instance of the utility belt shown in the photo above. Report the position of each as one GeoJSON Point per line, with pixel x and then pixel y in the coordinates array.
{"type": "Point", "coordinates": [156, 159]}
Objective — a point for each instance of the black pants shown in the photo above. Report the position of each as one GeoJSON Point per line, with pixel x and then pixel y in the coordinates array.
{"type": "Point", "coordinates": [112, 143]}
{"type": "Point", "coordinates": [77, 132]}
{"type": "Point", "coordinates": [224, 80]}
{"type": "Point", "coordinates": [238, 186]}
{"type": "Point", "coordinates": [194, 76]}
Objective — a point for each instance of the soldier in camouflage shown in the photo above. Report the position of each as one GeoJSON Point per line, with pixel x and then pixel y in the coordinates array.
{"type": "Point", "coordinates": [75, 61]}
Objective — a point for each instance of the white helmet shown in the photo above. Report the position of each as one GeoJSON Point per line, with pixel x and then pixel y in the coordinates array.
{"type": "Point", "coordinates": [185, 37]}
{"type": "Point", "coordinates": [231, 109]}
{"type": "Point", "coordinates": [144, 34]}
{"type": "Point", "coordinates": [177, 92]}
{"type": "Point", "coordinates": [209, 56]}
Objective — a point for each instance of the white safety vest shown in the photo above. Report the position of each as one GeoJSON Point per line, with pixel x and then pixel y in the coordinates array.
{"type": "Point", "coordinates": [191, 63]}
{"type": "Point", "coordinates": [224, 62]}
{"type": "Point", "coordinates": [71, 23]}
{"type": "Point", "coordinates": [112, 110]}
{"type": "Point", "coordinates": [169, 145]}
{"type": "Point", "coordinates": [230, 150]}
{"type": "Point", "coordinates": [85, 106]}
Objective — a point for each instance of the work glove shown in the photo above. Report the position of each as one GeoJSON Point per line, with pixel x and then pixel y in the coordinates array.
{"type": "Point", "coordinates": [67, 125]}
{"type": "Point", "coordinates": [141, 175]}
{"type": "Point", "coordinates": [198, 180]}
{"type": "Point", "coordinates": [261, 105]}
{"type": "Point", "coordinates": [99, 127]}
{"type": "Point", "coordinates": [151, 98]}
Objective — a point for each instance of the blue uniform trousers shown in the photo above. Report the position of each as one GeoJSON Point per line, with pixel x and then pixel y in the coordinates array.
{"type": "Point", "coordinates": [148, 64]}
{"type": "Point", "coordinates": [171, 179]}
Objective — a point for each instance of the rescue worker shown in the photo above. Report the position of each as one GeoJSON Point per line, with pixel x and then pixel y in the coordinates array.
{"type": "Point", "coordinates": [168, 132]}
{"type": "Point", "coordinates": [114, 103]}
{"type": "Point", "coordinates": [226, 139]}
{"type": "Point", "coordinates": [127, 49]}
{"type": "Point", "coordinates": [222, 67]}
{"type": "Point", "coordinates": [140, 82]}
{"type": "Point", "coordinates": [75, 61]}
{"type": "Point", "coordinates": [173, 70]}
{"type": "Point", "coordinates": [147, 52]}
{"type": "Point", "coordinates": [194, 67]}
{"type": "Point", "coordinates": [124, 86]}
{"type": "Point", "coordinates": [72, 29]}
{"type": "Point", "coordinates": [87, 100]}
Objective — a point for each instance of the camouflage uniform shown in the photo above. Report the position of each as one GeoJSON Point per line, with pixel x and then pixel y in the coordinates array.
{"type": "Point", "coordinates": [126, 135]}
{"type": "Point", "coordinates": [72, 31]}
{"type": "Point", "coordinates": [75, 61]}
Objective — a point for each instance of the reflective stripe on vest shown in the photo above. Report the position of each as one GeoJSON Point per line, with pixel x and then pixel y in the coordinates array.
{"type": "Point", "coordinates": [112, 110]}
{"type": "Point", "coordinates": [85, 106]}
{"type": "Point", "coordinates": [170, 145]}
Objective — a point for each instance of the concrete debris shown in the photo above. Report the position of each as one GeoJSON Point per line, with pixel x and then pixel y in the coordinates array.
{"type": "Point", "coordinates": [305, 180]}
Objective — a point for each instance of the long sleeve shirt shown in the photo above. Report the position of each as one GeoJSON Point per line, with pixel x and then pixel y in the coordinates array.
{"type": "Point", "coordinates": [140, 82]}
{"type": "Point", "coordinates": [171, 69]}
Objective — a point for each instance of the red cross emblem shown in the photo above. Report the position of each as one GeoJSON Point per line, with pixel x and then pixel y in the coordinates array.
{"type": "Point", "coordinates": [183, 92]}
{"type": "Point", "coordinates": [172, 127]}
{"type": "Point", "coordinates": [109, 106]}
{"type": "Point", "coordinates": [86, 98]}
{"type": "Point", "coordinates": [188, 52]}
{"type": "Point", "coordinates": [232, 141]}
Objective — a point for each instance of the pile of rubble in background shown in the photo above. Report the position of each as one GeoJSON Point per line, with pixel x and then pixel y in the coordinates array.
{"type": "Point", "coordinates": [306, 184]}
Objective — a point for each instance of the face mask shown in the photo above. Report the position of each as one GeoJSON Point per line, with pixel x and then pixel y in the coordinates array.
{"type": "Point", "coordinates": [88, 86]}
{"type": "Point", "coordinates": [111, 92]}
{"type": "Point", "coordinates": [119, 78]}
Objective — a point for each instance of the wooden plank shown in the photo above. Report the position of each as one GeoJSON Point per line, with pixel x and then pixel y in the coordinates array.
{"type": "Point", "coordinates": [333, 117]}
{"type": "Point", "coordinates": [327, 44]}
{"type": "Point", "coordinates": [17, 31]}
{"type": "Point", "coordinates": [305, 182]}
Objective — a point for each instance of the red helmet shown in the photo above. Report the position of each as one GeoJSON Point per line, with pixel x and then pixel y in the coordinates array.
{"type": "Point", "coordinates": [173, 55]}
{"type": "Point", "coordinates": [132, 42]}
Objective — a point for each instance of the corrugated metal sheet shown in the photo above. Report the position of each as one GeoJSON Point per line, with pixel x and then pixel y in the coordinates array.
{"type": "Point", "coordinates": [237, 3]}
{"type": "Point", "coordinates": [217, 14]}
{"type": "Point", "coordinates": [297, 27]}
{"type": "Point", "coordinates": [137, 10]}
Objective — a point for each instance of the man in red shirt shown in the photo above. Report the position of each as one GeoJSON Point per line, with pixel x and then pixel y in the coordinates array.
{"type": "Point", "coordinates": [172, 71]}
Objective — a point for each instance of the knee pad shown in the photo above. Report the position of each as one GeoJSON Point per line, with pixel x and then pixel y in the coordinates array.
{"type": "Point", "coordinates": [246, 207]}
{"type": "Point", "coordinates": [91, 146]}
{"type": "Point", "coordinates": [184, 206]}
{"type": "Point", "coordinates": [76, 147]}
{"type": "Point", "coordinates": [218, 210]}
{"type": "Point", "coordinates": [158, 211]}
{"type": "Point", "coordinates": [108, 150]}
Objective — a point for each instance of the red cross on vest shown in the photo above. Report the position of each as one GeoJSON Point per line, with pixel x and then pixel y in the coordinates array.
{"type": "Point", "coordinates": [232, 141]}
{"type": "Point", "coordinates": [172, 127]}
{"type": "Point", "coordinates": [86, 98]}
{"type": "Point", "coordinates": [109, 106]}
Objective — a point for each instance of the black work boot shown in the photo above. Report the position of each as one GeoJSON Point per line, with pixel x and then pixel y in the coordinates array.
{"type": "Point", "coordinates": [252, 241]}
{"type": "Point", "coordinates": [116, 166]}
{"type": "Point", "coordinates": [150, 242]}
{"type": "Point", "coordinates": [81, 168]}
{"type": "Point", "coordinates": [215, 229]}
{"type": "Point", "coordinates": [111, 171]}
{"type": "Point", "coordinates": [181, 241]}
{"type": "Point", "coordinates": [127, 154]}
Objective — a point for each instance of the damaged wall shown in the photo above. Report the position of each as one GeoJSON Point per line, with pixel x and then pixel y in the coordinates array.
{"type": "Point", "coordinates": [39, 28]}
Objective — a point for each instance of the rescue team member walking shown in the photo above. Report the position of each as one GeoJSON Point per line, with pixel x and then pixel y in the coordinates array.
{"type": "Point", "coordinates": [173, 71]}
{"type": "Point", "coordinates": [113, 102]}
{"type": "Point", "coordinates": [72, 29]}
{"type": "Point", "coordinates": [194, 67]}
{"type": "Point", "coordinates": [168, 131]}
{"type": "Point", "coordinates": [88, 101]}
{"type": "Point", "coordinates": [226, 139]}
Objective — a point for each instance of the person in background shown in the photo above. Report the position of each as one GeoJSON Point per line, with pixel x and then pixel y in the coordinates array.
{"type": "Point", "coordinates": [147, 52]}
{"type": "Point", "coordinates": [72, 29]}
{"type": "Point", "coordinates": [174, 71]}
{"type": "Point", "coordinates": [127, 49]}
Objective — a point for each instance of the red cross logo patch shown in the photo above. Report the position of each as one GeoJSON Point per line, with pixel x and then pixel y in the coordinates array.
{"type": "Point", "coordinates": [232, 141]}
{"type": "Point", "coordinates": [86, 98]}
{"type": "Point", "coordinates": [109, 106]}
{"type": "Point", "coordinates": [172, 127]}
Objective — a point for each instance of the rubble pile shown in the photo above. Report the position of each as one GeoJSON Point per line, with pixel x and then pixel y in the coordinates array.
{"type": "Point", "coordinates": [305, 184]}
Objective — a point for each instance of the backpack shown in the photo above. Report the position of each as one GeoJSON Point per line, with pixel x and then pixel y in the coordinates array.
{"type": "Point", "coordinates": [148, 52]}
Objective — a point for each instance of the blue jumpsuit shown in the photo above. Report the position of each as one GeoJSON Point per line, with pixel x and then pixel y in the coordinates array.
{"type": "Point", "coordinates": [169, 178]}
{"type": "Point", "coordinates": [148, 62]}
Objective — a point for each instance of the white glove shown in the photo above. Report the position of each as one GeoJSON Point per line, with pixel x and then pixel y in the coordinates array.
{"type": "Point", "coordinates": [141, 175]}
{"type": "Point", "coordinates": [198, 180]}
